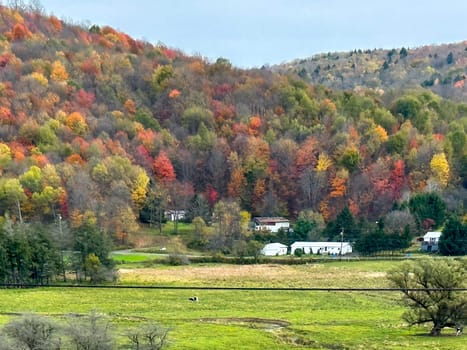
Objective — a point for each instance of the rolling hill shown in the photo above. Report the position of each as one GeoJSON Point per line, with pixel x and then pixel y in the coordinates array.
{"type": "Point", "coordinates": [97, 125]}
{"type": "Point", "coordinates": [440, 68]}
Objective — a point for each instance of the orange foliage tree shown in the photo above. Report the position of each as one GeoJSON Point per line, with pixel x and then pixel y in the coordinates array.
{"type": "Point", "coordinates": [56, 23]}
{"type": "Point", "coordinates": [255, 125]}
{"type": "Point", "coordinates": [338, 184]}
{"type": "Point", "coordinates": [20, 32]}
{"type": "Point", "coordinates": [77, 123]}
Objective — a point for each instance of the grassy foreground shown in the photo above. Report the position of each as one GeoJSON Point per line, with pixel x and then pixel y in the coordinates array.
{"type": "Point", "coordinates": [229, 319]}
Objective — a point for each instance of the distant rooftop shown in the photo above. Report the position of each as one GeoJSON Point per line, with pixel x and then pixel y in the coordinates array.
{"type": "Point", "coordinates": [272, 219]}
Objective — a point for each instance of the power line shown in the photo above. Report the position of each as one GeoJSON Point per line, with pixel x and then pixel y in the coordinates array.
{"type": "Point", "coordinates": [297, 289]}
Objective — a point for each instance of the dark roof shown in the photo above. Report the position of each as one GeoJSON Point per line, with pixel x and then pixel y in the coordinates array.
{"type": "Point", "coordinates": [263, 220]}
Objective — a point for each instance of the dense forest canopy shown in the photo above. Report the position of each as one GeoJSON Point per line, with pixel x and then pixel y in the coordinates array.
{"type": "Point", "coordinates": [97, 126]}
{"type": "Point", "coordinates": [440, 68]}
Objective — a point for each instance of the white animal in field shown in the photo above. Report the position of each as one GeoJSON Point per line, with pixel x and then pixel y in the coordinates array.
{"type": "Point", "coordinates": [193, 299]}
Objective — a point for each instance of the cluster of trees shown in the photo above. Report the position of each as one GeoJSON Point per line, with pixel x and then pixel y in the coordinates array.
{"type": "Point", "coordinates": [95, 123]}
{"type": "Point", "coordinates": [391, 233]}
{"type": "Point", "coordinates": [440, 68]}
{"type": "Point", "coordinates": [37, 254]}
{"type": "Point", "coordinates": [230, 232]}
{"type": "Point", "coordinates": [91, 332]}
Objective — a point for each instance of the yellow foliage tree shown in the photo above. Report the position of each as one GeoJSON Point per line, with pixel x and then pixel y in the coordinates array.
{"type": "Point", "coordinates": [58, 72]}
{"type": "Point", "coordinates": [40, 78]}
{"type": "Point", "coordinates": [324, 162]}
{"type": "Point", "coordinates": [381, 132]}
{"type": "Point", "coordinates": [5, 155]}
{"type": "Point", "coordinates": [140, 189]}
{"type": "Point", "coordinates": [161, 76]}
{"type": "Point", "coordinates": [245, 218]}
{"type": "Point", "coordinates": [440, 168]}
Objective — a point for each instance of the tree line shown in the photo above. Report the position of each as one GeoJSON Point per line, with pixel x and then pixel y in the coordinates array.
{"type": "Point", "coordinates": [38, 254]}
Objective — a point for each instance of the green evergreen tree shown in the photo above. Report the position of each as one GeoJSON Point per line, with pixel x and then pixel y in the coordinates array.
{"type": "Point", "coordinates": [453, 240]}
{"type": "Point", "coordinates": [345, 223]}
{"type": "Point", "coordinates": [91, 241]}
{"type": "Point", "coordinates": [425, 206]}
{"type": "Point", "coordinates": [198, 207]}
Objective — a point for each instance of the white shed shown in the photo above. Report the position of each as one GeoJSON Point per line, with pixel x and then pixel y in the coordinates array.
{"type": "Point", "coordinates": [273, 249]}
{"type": "Point", "coordinates": [331, 248]}
{"type": "Point", "coordinates": [430, 241]}
{"type": "Point", "coordinates": [173, 215]}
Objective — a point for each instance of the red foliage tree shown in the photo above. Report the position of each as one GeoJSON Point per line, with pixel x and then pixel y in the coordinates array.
{"type": "Point", "coordinates": [89, 66]}
{"type": "Point", "coordinates": [6, 117]}
{"type": "Point", "coordinates": [222, 112]}
{"type": "Point", "coordinates": [212, 195]}
{"type": "Point", "coordinates": [84, 99]}
{"type": "Point", "coordinates": [143, 156]}
{"type": "Point", "coordinates": [306, 155]}
{"type": "Point", "coordinates": [163, 168]}
{"type": "Point", "coordinates": [397, 179]}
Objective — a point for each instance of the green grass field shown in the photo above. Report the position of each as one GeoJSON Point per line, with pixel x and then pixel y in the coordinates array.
{"type": "Point", "coordinates": [229, 319]}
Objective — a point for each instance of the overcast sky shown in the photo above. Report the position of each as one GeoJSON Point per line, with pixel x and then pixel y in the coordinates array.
{"type": "Point", "coordinates": [251, 33]}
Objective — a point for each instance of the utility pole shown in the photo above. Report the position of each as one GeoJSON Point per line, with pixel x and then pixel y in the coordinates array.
{"type": "Point", "coordinates": [61, 246]}
{"type": "Point", "coordinates": [342, 242]}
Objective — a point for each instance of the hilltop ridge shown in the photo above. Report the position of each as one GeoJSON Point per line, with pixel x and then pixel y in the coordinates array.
{"type": "Point", "coordinates": [440, 68]}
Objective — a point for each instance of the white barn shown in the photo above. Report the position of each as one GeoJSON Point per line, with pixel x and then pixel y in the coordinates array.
{"type": "Point", "coordinates": [430, 241]}
{"type": "Point", "coordinates": [273, 224]}
{"type": "Point", "coordinates": [273, 249]}
{"type": "Point", "coordinates": [331, 248]}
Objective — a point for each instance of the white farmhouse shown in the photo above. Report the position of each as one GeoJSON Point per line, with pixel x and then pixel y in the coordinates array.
{"type": "Point", "coordinates": [274, 249]}
{"type": "Point", "coordinates": [430, 241]}
{"type": "Point", "coordinates": [273, 224]}
{"type": "Point", "coordinates": [328, 248]}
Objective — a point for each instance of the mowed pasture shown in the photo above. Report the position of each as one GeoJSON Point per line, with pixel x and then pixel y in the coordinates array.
{"type": "Point", "coordinates": [246, 319]}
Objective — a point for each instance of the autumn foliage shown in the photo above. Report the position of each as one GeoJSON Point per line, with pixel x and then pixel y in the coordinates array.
{"type": "Point", "coordinates": [163, 168]}
{"type": "Point", "coordinates": [126, 124]}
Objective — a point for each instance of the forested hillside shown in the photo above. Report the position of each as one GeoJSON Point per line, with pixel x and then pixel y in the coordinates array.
{"type": "Point", "coordinates": [439, 68]}
{"type": "Point", "coordinates": [98, 126]}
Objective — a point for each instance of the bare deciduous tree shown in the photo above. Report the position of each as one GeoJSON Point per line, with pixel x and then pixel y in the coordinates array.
{"type": "Point", "coordinates": [31, 332]}
{"type": "Point", "coordinates": [148, 337]}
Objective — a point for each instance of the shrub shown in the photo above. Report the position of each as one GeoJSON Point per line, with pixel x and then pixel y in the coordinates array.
{"type": "Point", "coordinates": [298, 252]}
{"type": "Point", "coordinates": [30, 332]}
{"type": "Point", "coordinates": [177, 260]}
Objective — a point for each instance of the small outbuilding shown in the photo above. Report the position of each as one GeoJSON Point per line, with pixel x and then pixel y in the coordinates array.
{"type": "Point", "coordinates": [430, 241]}
{"type": "Point", "coordinates": [327, 248]}
{"type": "Point", "coordinates": [274, 249]}
{"type": "Point", "coordinates": [173, 215]}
